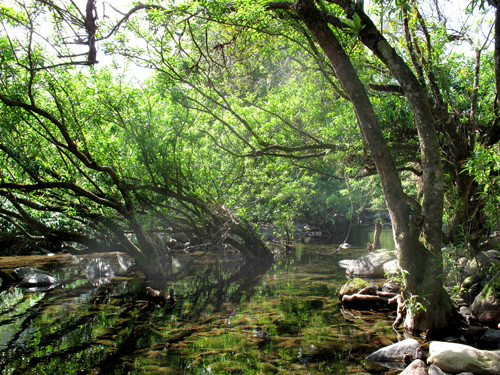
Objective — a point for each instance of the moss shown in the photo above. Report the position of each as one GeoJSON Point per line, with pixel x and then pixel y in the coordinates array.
{"type": "Point", "coordinates": [353, 286]}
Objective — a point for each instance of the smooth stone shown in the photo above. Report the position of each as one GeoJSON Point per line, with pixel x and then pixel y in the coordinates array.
{"type": "Point", "coordinates": [491, 336]}
{"type": "Point", "coordinates": [20, 272]}
{"type": "Point", "coordinates": [434, 370]}
{"type": "Point", "coordinates": [457, 358]}
{"type": "Point", "coordinates": [398, 352]}
{"type": "Point", "coordinates": [391, 268]}
{"type": "Point", "coordinates": [369, 265]}
{"type": "Point", "coordinates": [37, 280]}
{"type": "Point", "coordinates": [486, 305]}
{"type": "Point", "coordinates": [417, 367]}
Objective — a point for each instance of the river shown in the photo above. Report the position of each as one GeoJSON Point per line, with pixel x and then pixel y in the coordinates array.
{"type": "Point", "coordinates": [230, 317]}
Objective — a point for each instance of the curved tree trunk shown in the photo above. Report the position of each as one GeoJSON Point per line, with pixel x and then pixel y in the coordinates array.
{"type": "Point", "coordinates": [421, 263]}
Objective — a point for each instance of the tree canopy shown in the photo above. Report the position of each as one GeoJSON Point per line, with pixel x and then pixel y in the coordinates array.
{"type": "Point", "coordinates": [250, 112]}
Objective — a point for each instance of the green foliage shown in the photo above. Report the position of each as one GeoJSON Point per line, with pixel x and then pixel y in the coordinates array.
{"type": "Point", "coordinates": [485, 167]}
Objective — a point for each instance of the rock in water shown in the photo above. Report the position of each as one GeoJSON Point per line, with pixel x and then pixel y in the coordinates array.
{"type": "Point", "coordinates": [396, 355]}
{"type": "Point", "coordinates": [99, 271]}
{"type": "Point", "coordinates": [457, 358]}
{"type": "Point", "coordinates": [369, 265]}
{"type": "Point", "coordinates": [36, 280]}
{"type": "Point", "coordinates": [20, 272]}
{"type": "Point", "coordinates": [353, 286]}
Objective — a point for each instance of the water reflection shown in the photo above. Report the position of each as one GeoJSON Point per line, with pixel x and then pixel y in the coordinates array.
{"type": "Point", "coordinates": [99, 271]}
{"type": "Point", "coordinates": [230, 317]}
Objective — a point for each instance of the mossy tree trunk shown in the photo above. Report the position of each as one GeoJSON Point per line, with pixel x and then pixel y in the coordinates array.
{"type": "Point", "coordinates": [421, 264]}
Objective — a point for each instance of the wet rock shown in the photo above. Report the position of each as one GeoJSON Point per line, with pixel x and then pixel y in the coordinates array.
{"type": "Point", "coordinates": [473, 333]}
{"type": "Point", "coordinates": [99, 271]}
{"type": "Point", "coordinates": [486, 306]}
{"type": "Point", "coordinates": [35, 280]}
{"type": "Point", "coordinates": [125, 262]}
{"type": "Point", "coordinates": [369, 265]}
{"type": "Point", "coordinates": [491, 337]}
{"type": "Point", "coordinates": [20, 272]}
{"type": "Point", "coordinates": [457, 358]}
{"type": "Point", "coordinates": [353, 286]}
{"type": "Point", "coordinates": [398, 354]}
{"type": "Point", "coordinates": [417, 367]}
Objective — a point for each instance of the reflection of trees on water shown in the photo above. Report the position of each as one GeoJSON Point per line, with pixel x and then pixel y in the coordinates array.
{"type": "Point", "coordinates": [219, 285]}
{"type": "Point", "coordinates": [75, 329]}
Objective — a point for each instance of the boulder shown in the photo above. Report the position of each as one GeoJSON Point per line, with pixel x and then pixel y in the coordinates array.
{"type": "Point", "coordinates": [20, 272]}
{"type": "Point", "coordinates": [486, 306]}
{"type": "Point", "coordinates": [482, 260]}
{"type": "Point", "coordinates": [391, 268]}
{"type": "Point", "coordinates": [38, 280]}
{"type": "Point", "coordinates": [456, 358]}
{"type": "Point", "coordinates": [417, 367]}
{"type": "Point", "coordinates": [434, 370]}
{"type": "Point", "coordinates": [99, 271]}
{"type": "Point", "coordinates": [491, 337]}
{"type": "Point", "coordinates": [396, 355]}
{"type": "Point", "coordinates": [353, 286]}
{"type": "Point", "coordinates": [369, 265]}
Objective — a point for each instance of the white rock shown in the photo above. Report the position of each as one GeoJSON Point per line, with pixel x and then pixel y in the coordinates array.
{"type": "Point", "coordinates": [369, 265]}
{"type": "Point", "coordinates": [457, 358]}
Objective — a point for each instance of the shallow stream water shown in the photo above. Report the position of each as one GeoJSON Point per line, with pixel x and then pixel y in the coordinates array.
{"type": "Point", "coordinates": [230, 317]}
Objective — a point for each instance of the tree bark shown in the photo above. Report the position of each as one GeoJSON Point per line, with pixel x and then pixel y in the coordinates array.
{"type": "Point", "coordinates": [376, 235]}
{"type": "Point", "coordinates": [422, 263]}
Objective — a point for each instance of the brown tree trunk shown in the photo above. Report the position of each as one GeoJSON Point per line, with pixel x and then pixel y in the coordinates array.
{"type": "Point", "coordinates": [376, 235]}
{"type": "Point", "coordinates": [422, 265]}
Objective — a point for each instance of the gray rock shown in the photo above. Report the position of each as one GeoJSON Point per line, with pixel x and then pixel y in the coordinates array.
{"type": "Point", "coordinates": [369, 265]}
{"type": "Point", "coordinates": [491, 336]}
{"type": "Point", "coordinates": [391, 268]}
{"type": "Point", "coordinates": [401, 352]}
{"type": "Point", "coordinates": [33, 280]}
{"type": "Point", "coordinates": [434, 370]}
{"type": "Point", "coordinates": [482, 260]}
{"type": "Point", "coordinates": [486, 306]}
{"type": "Point", "coordinates": [457, 358]}
{"type": "Point", "coordinates": [417, 367]}
{"type": "Point", "coordinates": [98, 271]}
{"type": "Point", "coordinates": [20, 272]}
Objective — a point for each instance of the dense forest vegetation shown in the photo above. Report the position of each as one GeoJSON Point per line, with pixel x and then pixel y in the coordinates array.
{"type": "Point", "coordinates": [121, 128]}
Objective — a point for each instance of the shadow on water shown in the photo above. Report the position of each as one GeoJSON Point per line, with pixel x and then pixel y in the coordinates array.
{"type": "Point", "coordinates": [230, 317]}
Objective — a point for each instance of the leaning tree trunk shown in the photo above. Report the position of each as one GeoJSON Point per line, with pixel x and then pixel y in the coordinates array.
{"type": "Point", "coordinates": [422, 264]}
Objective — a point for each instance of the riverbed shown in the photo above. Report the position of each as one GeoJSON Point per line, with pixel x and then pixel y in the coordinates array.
{"type": "Point", "coordinates": [229, 317]}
